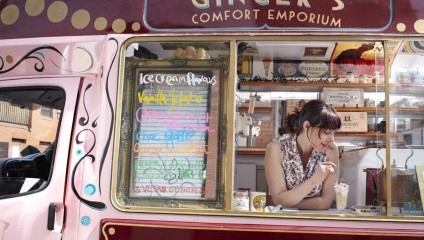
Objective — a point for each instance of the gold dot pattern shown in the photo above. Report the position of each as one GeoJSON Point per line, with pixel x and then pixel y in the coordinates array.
{"type": "Point", "coordinates": [401, 27]}
{"type": "Point", "coordinates": [9, 59]}
{"type": "Point", "coordinates": [118, 26]}
{"type": "Point", "coordinates": [80, 19]}
{"type": "Point", "coordinates": [34, 7]}
{"type": "Point", "coordinates": [111, 231]}
{"type": "Point", "coordinates": [419, 26]}
{"type": "Point", "coordinates": [57, 11]}
{"type": "Point", "coordinates": [9, 15]}
{"type": "Point", "coordinates": [136, 26]}
{"type": "Point", "coordinates": [100, 23]}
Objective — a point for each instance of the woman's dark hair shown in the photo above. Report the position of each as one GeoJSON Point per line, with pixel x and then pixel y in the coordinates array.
{"type": "Point", "coordinates": [318, 113]}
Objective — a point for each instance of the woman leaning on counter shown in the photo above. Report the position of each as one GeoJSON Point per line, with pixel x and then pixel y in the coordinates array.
{"type": "Point", "coordinates": [301, 165]}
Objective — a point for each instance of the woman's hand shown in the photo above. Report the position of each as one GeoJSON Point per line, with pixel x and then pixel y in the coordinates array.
{"type": "Point", "coordinates": [332, 146]}
{"type": "Point", "coordinates": [322, 171]}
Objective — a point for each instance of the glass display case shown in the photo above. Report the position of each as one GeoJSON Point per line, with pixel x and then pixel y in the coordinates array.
{"type": "Point", "coordinates": [350, 75]}
{"type": "Point", "coordinates": [406, 121]}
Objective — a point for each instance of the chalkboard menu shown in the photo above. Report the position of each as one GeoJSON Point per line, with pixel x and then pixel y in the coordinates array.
{"type": "Point", "coordinates": [174, 125]}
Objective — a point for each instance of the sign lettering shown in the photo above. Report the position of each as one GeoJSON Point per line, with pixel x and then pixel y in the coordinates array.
{"type": "Point", "coordinates": [269, 14]}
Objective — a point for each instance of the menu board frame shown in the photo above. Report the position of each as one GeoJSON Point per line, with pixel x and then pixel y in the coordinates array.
{"type": "Point", "coordinates": [213, 194]}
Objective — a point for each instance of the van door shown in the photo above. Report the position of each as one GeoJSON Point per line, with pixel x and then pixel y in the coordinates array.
{"type": "Point", "coordinates": [36, 117]}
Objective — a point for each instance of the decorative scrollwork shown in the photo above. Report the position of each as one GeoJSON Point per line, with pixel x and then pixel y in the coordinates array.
{"type": "Point", "coordinates": [219, 62]}
{"type": "Point", "coordinates": [178, 61]}
{"type": "Point", "coordinates": [280, 78]}
{"type": "Point", "coordinates": [35, 54]}
{"type": "Point", "coordinates": [125, 132]}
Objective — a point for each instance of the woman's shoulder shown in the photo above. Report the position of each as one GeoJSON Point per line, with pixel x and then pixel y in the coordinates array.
{"type": "Point", "coordinates": [273, 150]}
{"type": "Point", "coordinates": [281, 142]}
{"type": "Point", "coordinates": [275, 143]}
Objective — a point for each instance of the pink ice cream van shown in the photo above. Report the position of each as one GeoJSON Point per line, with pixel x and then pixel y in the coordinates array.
{"type": "Point", "coordinates": [150, 119]}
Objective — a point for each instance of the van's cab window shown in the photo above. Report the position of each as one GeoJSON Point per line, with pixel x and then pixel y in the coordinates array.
{"type": "Point", "coordinates": [27, 137]}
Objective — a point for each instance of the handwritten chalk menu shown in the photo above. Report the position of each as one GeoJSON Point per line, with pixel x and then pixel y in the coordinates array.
{"type": "Point", "coordinates": [175, 132]}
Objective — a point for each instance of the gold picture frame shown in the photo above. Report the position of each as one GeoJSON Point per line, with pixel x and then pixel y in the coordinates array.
{"type": "Point", "coordinates": [175, 182]}
{"type": "Point", "coordinates": [419, 170]}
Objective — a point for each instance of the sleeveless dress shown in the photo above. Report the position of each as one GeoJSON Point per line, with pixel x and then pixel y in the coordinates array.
{"type": "Point", "coordinates": [292, 164]}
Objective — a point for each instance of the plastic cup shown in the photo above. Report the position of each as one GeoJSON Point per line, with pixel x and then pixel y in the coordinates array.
{"type": "Point", "coordinates": [342, 190]}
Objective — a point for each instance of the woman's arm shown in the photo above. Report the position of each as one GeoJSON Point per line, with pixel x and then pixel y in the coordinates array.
{"type": "Point", "coordinates": [295, 197]}
{"type": "Point", "coordinates": [276, 180]}
{"type": "Point", "coordinates": [328, 194]}
{"type": "Point", "coordinates": [323, 201]}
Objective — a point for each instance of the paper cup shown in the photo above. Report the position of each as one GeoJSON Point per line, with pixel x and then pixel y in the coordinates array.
{"type": "Point", "coordinates": [257, 201]}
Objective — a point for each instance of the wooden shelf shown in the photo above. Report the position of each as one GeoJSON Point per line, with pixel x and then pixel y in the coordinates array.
{"type": "Point", "coordinates": [407, 89]}
{"type": "Point", "coordinates": [269, 86]}
{"type": "Point", "coordinates": [258, 109]}
{"type": "Point", "coordinates": [360, 134]}
{"type": "Point", "coordinates": [360, 109]}
{"type": "Point", "coordinates": [250, 151]}
{"type": "Point", "coordinates": [407, 109]}
{"type": "Point", "coordinates": [347, 109]}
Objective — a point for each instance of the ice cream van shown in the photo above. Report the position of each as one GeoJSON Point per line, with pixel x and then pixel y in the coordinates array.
{"type": "Point", "coordinates": [149, 119]}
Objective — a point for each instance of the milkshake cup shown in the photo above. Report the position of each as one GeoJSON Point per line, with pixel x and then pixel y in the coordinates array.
{"type": "Point", "coordinates": [342, 190]}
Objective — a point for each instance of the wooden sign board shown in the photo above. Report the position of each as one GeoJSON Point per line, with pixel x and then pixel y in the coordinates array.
{"type": "Point", "coordinates": [353, 122]}
{"type": "Point", "coordinates": [344, 97]}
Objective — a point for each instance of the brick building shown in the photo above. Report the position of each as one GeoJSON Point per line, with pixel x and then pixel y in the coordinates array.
{"type": "Point", "coordinates": [21, 126]}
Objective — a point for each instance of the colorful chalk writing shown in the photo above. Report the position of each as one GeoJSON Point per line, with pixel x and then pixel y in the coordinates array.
{"type": "Point", "coordinates": [175, 98]}
{"type": "Point", "coordinates": [193, 148]}
{"type": "Point", "coordinates": [164, 177]}
{"type": "Point", "coordinates": [190, 79]}
{"type": "Point", "coordinates": [158, 98]}
{"type": "Point", "coordinates": [172, 120]}
{"type": "Point", "coordinates": [172, 129]}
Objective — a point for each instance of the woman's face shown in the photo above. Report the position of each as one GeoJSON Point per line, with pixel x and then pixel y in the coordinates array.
{"type": "Point", "coordinates": [320, 138]}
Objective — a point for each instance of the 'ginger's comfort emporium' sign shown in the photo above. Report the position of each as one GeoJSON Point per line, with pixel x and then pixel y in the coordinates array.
{"type": "Point", "coordinates": [373, 15]}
